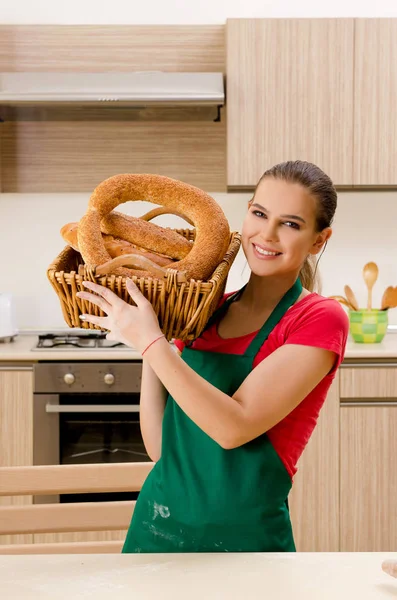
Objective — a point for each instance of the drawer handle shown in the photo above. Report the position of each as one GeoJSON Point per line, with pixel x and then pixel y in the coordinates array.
{"type": "Point", "coordinates": [92, 408]}
{"type": "Point", "coordinates": [369, 365]}
{"type": "Point", "coordinates": [363, 403]}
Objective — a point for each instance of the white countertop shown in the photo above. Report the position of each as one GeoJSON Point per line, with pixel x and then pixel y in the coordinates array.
{"type": "Point", "coordinates": [387, 348]}
{"type": "Point", "coordinates": [21, 349]}
{"type": "Point", "coordinates": [297, 576]}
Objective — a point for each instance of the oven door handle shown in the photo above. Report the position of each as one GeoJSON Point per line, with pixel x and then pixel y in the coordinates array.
{"type": "Point", "coordinates": [92, 408]}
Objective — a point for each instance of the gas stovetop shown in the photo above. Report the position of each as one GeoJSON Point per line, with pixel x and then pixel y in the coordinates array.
{"type": "Point", "coordinates": [76, 341]}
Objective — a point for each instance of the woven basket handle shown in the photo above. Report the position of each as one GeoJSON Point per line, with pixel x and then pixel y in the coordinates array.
{"type": "Point", "coordinates": [137, 261]}
{"type": "Point", "coordinates": [163, 210]}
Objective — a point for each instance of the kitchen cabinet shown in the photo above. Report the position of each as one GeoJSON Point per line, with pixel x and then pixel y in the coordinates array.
{"type": "Point", "coordinates": [16, 429]}
{"type": "Point", "coordinates": [375, 99]}
{"type": "Point", "coordinates": [289, 96]}
{"type": "Point", "coordinates": [368, 448]}
{"type": "Point", "coordinates": [322, 90]}
{"type": "Point", "coordinates": [65, 149]}
{"type": "Point", "coordinates": [314, 500]}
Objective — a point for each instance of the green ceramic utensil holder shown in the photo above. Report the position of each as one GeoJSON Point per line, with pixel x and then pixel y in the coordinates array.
{"type": "Point", "coordinates": [368, 326]}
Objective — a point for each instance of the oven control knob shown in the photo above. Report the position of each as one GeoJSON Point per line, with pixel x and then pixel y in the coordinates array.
{"type": "Point", "coordinates": [109, 379]}
{"type": "Point", "coordinates": [69, 378]}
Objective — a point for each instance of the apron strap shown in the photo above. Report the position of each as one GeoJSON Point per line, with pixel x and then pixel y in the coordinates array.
{"type": "Point", "coordinates": [289, 298]}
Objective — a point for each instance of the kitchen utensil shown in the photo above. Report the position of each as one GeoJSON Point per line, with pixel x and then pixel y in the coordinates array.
{"type": "Point", "coordinates": [342, 300]}
{"type": "Point", "coordinates": [389, 298]}
{"type": "Point", "coordinates": [351, 297]}
{"type": "Point", "coordinates": [8, 325]}
{"type": "Point", "coordinates": [370, 274]}
{"type": "Point", "coordinates": [368, 326]}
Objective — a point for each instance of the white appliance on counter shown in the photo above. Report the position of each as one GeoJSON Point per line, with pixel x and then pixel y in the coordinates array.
{"type": "Point", "coordinates": [8, 320]}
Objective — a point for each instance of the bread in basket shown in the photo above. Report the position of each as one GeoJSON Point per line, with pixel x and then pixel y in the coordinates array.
{"type": "Point", "coordinates": [184, 292]}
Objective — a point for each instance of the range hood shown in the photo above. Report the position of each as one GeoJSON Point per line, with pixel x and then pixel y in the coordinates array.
{"type": "Point", "coordinates": [131, 89]}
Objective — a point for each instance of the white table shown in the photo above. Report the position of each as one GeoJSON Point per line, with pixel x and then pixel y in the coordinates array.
{"type": "Point", "coordinates": [300, 576]}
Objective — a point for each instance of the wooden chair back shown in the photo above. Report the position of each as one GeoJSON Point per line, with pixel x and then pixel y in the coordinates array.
{"type": "Point", "coordinates": [49, 480]}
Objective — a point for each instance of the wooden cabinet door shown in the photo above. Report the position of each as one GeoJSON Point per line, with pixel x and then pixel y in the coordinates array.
{"type": "Point", "coordinates": [16, 431]}
{"type": "Point", "coordinates": [375, 99]}
{"type": "Point", "coordinates": [314, 500]}
{"type": "Point", "coordinates": [368, 478]}
{"type": "Point", "coordinates": [289, 96]}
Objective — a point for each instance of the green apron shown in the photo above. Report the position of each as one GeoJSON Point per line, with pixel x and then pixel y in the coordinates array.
{"type": "Point", "coordinates": [200, 497]}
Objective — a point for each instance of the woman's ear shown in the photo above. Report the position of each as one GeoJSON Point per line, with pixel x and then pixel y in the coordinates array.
{"type": "Point", "coordinates": [321, 239]}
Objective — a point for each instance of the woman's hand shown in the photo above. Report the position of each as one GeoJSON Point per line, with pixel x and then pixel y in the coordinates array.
{"type": "Point", "coordinates": [390, 567]}
{"type": "Point", "coordinates": [136, 326]}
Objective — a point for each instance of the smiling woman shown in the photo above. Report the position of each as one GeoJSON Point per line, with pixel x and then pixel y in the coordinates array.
{"type": "Point", "coordinates": [276, 240]}
{"type": "Point", "coordinates": [227, 420]}
{"type": "Point", "coordinates": [298, 196]}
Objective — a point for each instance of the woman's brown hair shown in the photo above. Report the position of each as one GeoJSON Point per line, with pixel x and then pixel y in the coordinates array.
{"type": "Point", "coordinates": [320, 186]}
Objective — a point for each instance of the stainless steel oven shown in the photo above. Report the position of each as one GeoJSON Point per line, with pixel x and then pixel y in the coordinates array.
{"type": "Point", "coordinates": [87, 412]}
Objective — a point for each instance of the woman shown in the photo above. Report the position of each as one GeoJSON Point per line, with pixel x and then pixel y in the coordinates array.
{"type": "Point", "coordinates": [227, 420]}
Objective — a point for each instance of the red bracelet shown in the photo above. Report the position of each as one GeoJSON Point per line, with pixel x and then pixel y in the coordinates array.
{"type": "Point", "coordinates": [151, 343]}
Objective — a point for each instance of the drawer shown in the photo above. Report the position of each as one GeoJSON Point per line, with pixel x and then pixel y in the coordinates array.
{"type": "Point", "coordinates": [368, 382]}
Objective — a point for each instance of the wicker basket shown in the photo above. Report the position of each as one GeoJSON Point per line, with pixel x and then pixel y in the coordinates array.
{"type": "Point", "coordinates": [183, 309]}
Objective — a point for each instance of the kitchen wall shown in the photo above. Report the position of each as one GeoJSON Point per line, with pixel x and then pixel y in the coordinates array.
{"type": "Point", "coordinates": [364, 230]}
{"type": "Point", "coordinates": [183, 12]}
{"type": "Point", "coordinates": [29, 224]}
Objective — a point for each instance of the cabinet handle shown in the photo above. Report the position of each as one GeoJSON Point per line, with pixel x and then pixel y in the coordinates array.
{"type": "Point", "coordinates": [369, 365]}
{"type": "Point", "coordinates": [92, 408]}
{"type": "Point", "coordinates": [14, 368]}
{"type": "Point", "coordinates": [363, 403]}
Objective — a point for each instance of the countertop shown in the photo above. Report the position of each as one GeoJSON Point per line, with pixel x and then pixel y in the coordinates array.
{"type": "Point", "coordinates": [297, 576]}
{"type": "Point", "coordinates": [21, 350]}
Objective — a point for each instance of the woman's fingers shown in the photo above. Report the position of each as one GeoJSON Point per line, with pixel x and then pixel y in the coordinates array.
{"type": "Point", "coordinates": [102, 322]}
{"type": "Point", "coordinates": [113, 337]}
{"type": "Point", "coordinates": [94, 299]}
{"type": "Point", "coordinates": [102, 291]}
{"type": "Point", "coordinates": [135, 293]}
{"type": "Point", "coordinates": [390, 567]}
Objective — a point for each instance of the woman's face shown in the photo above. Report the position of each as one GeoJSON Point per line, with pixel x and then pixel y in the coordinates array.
{"type": "Point", "coordinates": [279, 230]}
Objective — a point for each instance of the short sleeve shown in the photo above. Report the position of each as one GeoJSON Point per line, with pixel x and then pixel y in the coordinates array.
{"type": "Point", "coordinates": [179, 344]}
{"type": "Point", "coordinates": [323, 325]}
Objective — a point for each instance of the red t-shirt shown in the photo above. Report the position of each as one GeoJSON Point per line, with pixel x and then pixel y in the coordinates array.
{"type": "Point", "coordinates": [313, 321]}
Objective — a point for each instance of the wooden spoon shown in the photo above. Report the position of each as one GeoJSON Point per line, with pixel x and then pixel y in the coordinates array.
{"type": "Point", "coordinates": [389, 298]}
{"type": "Point", "coordinates": [342, 300]}
{"type": "Point", "coordinates": [351, 297]}
{"type": "Point", "coordinates": [370, 274]}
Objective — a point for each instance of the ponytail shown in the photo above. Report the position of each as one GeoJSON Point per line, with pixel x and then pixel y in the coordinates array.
{"type": "Point", "coordinates": [308, 276]}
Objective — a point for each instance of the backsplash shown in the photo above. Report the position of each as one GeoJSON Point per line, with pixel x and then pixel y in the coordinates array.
{"type": "Point", "coordinates": [364, 230]}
